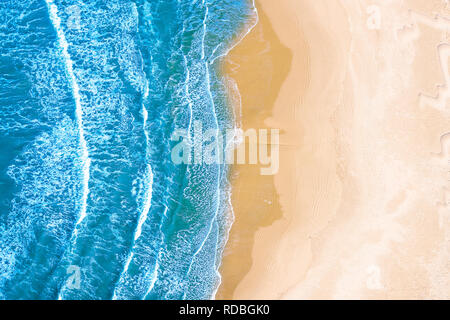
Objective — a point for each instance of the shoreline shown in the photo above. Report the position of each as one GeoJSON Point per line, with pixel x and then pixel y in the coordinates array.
{"type": "Point", "coordinates": [356, 210]}
{"type": "Point", "coordinates": [250, 190]}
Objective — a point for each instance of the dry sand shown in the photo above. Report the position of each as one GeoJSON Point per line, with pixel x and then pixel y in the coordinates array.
{"type": "Point", "coordinates": [360, 206]}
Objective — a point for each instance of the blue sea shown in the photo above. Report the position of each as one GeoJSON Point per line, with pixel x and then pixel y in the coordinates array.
{"type": "Point", "coordinates": [91, 205]}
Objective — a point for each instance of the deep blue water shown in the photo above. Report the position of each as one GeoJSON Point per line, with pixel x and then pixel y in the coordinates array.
{"type": "Point", "coordinates": [90, 94]}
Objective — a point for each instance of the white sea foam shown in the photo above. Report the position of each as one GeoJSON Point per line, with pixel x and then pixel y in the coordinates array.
{"type": "Point", "coordinates": [153, 277]}
{"type": "Point", "coordinates": [148, 177]}
{"type": "Point", "coordinates": [250, 28]}
{"type": "Point", "coordinates": [147, 203]}
{"type": "Point", "coordinates": [152, 274]}
{"type": "Point", "coordinates": [186, 88]}
{"type": "Point", "coordinates": [207, 62]}
{"type": "Point", "coordinates": [147, 200]}
{"type": "Point", "coordinates": [64, 45]}
{"type": "Point", "coordinates": [125, 270]}
{"type": "Point", "coordinates": [208, 83]}
{"type": "Point", "coordinates": [204, 29]}
{"type": "Point", "coordinates": [227, 233]}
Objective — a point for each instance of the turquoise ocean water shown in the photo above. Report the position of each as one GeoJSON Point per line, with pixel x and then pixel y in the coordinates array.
{"type": "Point", "coordinates": [92, 207]}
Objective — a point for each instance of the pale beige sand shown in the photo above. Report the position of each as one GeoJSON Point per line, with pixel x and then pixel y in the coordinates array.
{"type": "Point", "coordinates": [362, 201]}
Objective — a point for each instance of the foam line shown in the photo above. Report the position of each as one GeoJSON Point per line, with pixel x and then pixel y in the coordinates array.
{"type": "Point", "coordinates": [64, 45]}
{"type": "Point", "coordinates": [147, 198]}
{"type": "Point", "coordinates": [86, 160]}
{"type": "Point", "coordinates": [147, 203]}
{"type": "Point", "coordinates": [186, 88]}
{"type": "Point", "coordinates": [148, 177]}
{"type": "Point", "coordinates": [208, 81]}
{"type": "Point", "coordinates": [153, 277]}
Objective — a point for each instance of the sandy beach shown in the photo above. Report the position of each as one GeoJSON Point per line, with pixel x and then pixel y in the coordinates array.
{"type": "Point", "coordinates": [360, 206]}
